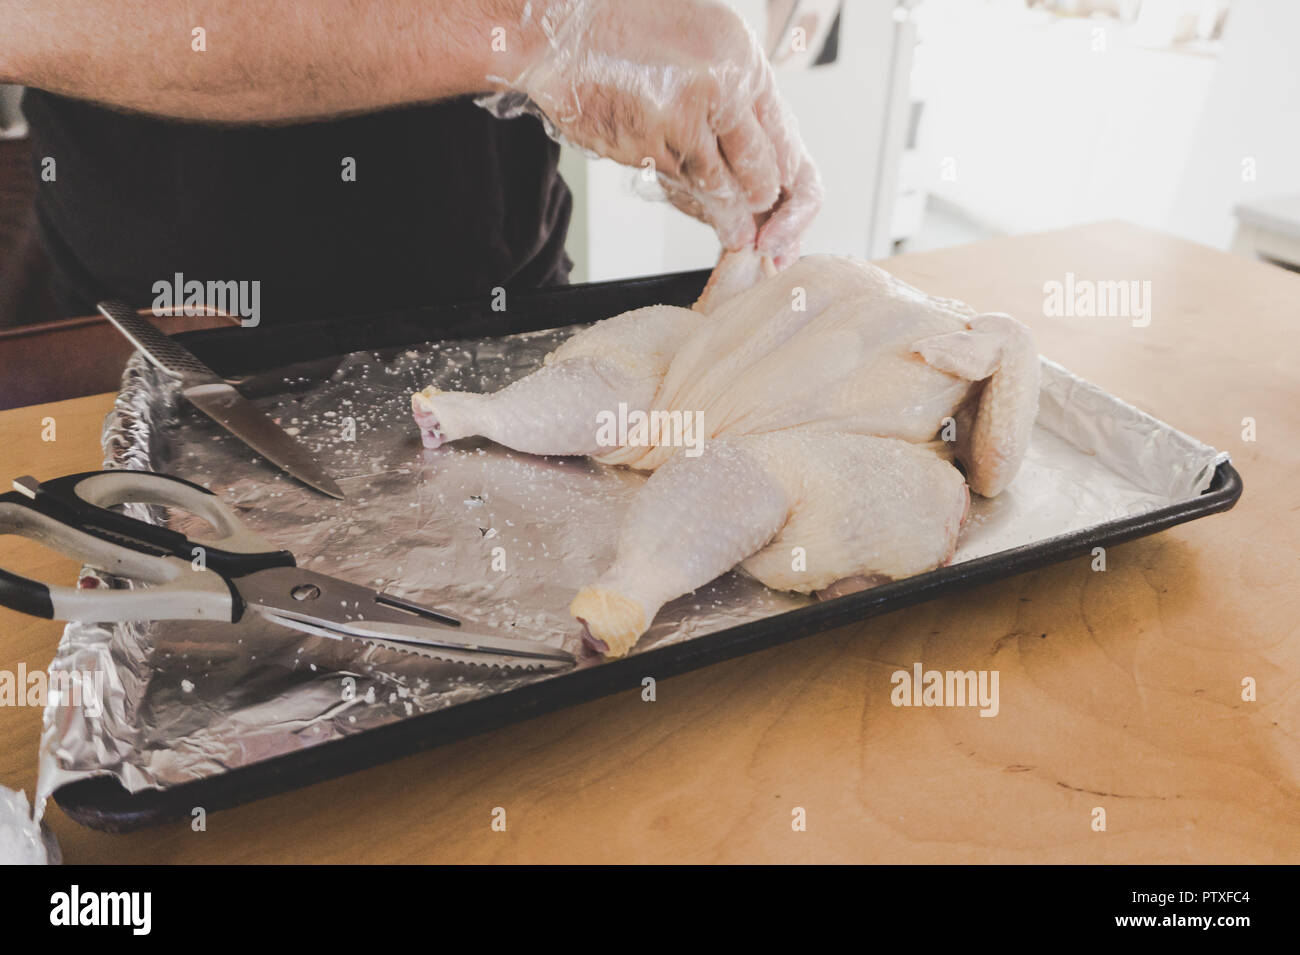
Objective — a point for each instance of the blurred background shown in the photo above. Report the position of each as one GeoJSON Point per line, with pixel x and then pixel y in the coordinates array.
{"type": "Point", "coordinates": [940, 122]}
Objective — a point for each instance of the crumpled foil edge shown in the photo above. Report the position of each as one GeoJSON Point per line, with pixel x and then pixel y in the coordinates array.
{"type": "Point", "coordinates": [119, 651]}
{"type": "Point", "coordinates": [1158, 459]}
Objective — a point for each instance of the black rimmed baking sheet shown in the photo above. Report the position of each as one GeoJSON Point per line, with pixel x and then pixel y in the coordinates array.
{"type": "Point", "coordinates": [103, 803]}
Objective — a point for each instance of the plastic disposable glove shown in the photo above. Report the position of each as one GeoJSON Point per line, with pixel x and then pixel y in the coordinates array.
{"type": "Point", "coordinates": [682, 84]}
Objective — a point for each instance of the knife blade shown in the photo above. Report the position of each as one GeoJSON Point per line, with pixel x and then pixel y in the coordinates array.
{"type": "Point", "coordinates": [219, 400]}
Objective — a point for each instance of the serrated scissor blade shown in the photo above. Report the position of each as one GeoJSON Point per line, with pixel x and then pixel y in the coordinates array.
{"type": "Point", "coordinates": [444, 654]}
{"type": "Point", "coordinates": [326, 606]}
{"type": "Point", "coordinates": [492, 662]}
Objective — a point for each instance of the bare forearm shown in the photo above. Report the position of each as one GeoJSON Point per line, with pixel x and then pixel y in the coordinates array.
{"type": "Point", "coordinates": [264, 60]}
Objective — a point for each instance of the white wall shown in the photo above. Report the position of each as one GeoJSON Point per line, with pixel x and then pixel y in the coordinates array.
{"type": "Point", "coordinates": [1251, 118]}
{"type": "Point", "coordinates": [1040, 128]}
{"type": "Point", "coordinates": [1035, 122]}
{"type": "Point", "coordinates": [843, 112]}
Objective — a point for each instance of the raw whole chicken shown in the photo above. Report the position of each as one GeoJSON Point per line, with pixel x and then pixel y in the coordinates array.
{"type": "Point", "coordinates": [802, 424]}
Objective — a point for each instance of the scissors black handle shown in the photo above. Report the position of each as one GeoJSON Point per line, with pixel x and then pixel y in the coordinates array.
{"type": "Point", "coordinates": [20, 593]}
{"type": "Point", "coordinates": [83, 501]}
{"type": "Point", "coordinates": [72, 514]}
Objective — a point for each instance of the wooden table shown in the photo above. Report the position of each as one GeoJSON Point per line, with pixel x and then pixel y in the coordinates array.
{"type": "Point", "coordinates": [1120, 690]}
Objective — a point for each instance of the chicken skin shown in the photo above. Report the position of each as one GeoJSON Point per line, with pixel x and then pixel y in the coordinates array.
{"type": "Point", "coordinates": [803, 424]}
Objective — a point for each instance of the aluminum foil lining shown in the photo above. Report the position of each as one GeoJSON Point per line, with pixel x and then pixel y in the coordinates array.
{"type": "Point", "coordinates": [499, 538]}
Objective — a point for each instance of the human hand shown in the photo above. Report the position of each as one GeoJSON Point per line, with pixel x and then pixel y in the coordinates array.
{"type": "Point", "coordinates": [679, 86]}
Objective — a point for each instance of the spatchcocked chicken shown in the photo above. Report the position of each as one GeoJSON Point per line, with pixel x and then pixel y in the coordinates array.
{"type": "Point", "coordinates": [802, 424]}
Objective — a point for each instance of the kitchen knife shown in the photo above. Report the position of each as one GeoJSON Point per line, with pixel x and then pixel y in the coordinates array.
{"type": "Point", "coordinates": [219, 400]}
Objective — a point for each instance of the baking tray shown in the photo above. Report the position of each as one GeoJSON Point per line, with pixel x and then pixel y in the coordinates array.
{"type": "Point", "coordinates": [104, 803]}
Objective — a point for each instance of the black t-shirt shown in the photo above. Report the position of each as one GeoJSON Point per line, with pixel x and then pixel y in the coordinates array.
{"type": "Point", "coordinates": [447, 204]}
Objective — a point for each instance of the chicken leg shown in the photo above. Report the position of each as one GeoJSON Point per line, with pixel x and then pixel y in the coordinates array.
{"type": "Point", "coordinates": [555, 410]}
{"type": "Point", "coordinates": [618, 361]}
{"type": "Point", "coordinates": [799, 510]}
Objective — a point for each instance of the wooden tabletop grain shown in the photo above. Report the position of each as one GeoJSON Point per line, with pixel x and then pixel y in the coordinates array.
{"type": "Point", "coordinates": [1120, 690]}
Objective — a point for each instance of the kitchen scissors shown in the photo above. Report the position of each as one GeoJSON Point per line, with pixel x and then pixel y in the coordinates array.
{"type": "Point", "coordinates": [221, 580]}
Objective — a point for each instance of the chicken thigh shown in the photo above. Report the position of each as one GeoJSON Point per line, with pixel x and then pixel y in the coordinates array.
{"type": "Point", "coordinates": [800, 510]}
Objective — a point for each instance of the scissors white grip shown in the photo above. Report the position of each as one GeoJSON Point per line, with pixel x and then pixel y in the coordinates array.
{"type": "Point", "coordinates": [106, 489]}
{"type": "Point", "coordinates": [176, 591]}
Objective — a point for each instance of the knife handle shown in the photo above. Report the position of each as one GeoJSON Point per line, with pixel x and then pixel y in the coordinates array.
{"type": "Point", "coordinates": [173, 358]}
